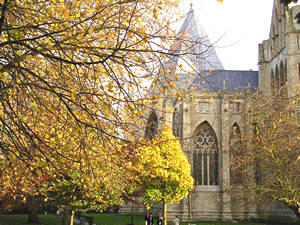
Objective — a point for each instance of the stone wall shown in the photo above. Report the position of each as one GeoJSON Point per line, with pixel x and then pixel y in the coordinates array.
{"type": "Point", "coordinates": [279, 56]}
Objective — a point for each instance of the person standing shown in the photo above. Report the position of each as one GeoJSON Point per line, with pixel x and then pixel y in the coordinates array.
{"type": "Point", "coordinates": [147, 219]}
{"type": "Point", "coordinates": [159, 219]}
{"type": "Point", "coordinates": [150, 221]}
{"type": "Point", "coordinates": [176, 221]}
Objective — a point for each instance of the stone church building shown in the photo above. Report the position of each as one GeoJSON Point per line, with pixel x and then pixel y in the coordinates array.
{"type": "Point", "coordinates": [207, 116]}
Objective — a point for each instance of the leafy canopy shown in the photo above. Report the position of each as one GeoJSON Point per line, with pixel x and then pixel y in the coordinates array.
{"type": "Point", "coordinates": [165, 171]}
{"type": "Point", "coordinates": [272, 146]}
{"type": "Point", "coordinates": [72, 77]}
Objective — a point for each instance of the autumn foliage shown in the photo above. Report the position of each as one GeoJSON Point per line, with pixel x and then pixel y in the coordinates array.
{"type": "Point", "coordinates": [72, 77]}
{"type": "Point", "coordinates": [165, 174]}
{"type": "Point", "coordinates": [269, 154]}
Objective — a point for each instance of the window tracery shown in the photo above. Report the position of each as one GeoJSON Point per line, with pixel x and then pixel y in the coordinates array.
{"type": "Point", "coordinates": [176, 123]}
{"type": "Point", "coordinates": [205, 156]}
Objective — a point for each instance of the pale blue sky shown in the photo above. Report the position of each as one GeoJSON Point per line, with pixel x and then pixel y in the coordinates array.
{"type": "Point", "coordinates": [239, 24]}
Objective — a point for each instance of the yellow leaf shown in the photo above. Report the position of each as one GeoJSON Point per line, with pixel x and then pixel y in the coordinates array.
{"type": "Point", "coordinates": [33, 104]}
{"type": "Point", "coordinates": [155, 12]}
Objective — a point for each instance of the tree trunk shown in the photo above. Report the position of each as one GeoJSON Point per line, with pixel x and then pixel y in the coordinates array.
{"type": "Point", "coordinates": [189, 209]}
{"type": "Point", "coordinates": [68, 217]}
{"type": "Point", "coordinates": [131, 210]}
{"type": "Point", "coordinates": [165, 213]}
{"type": "Point", "coordinates": [33, 211]}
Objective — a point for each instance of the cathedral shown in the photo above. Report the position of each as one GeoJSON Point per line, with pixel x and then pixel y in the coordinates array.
{"type": "Point", "coordinates": [206, 115]}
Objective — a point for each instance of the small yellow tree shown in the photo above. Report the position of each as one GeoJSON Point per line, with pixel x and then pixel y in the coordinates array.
{"type": "Point", "coordinates": [165, 172]}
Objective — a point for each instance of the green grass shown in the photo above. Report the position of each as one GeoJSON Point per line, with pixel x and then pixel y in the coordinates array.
{"type": "Point", "coordinates": [113, 219]}
{"type": "Point", "coordinates": [22, 219]}
{"type": "Point", "coordinates": [100, 219]}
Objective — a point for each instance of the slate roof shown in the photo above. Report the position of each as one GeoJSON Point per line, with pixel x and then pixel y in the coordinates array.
{"type": "Point", "coordinates": [231, 80]}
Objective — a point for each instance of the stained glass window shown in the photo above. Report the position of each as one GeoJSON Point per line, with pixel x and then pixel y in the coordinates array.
{"type": "Point", "coordinates": [176, 124]}
{"type": "Point", "coordinates": [205, 156]}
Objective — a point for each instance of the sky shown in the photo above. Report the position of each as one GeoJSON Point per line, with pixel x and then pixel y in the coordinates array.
{"type": "Point", "coordinates": [236, 27]}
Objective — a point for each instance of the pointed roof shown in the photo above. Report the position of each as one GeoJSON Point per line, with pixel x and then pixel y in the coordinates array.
{"type": "Point", "coordinates": [197, 50]}
{"type": "Point", "coordinates": [204, 55]}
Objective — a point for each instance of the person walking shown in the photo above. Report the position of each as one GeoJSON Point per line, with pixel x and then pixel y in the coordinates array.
{"type": "Point", "coordinates": [147, 218]}
{"type": "Point", "coordinates": [159, 219]}
{"type": "Point", "coordinates": [150, 221]}
{"type": "Point", "coordinates": [176, 221]}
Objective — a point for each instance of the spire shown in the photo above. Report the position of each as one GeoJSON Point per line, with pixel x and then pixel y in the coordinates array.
{"type": "Point", "coordinates": [203, 55]}
{"type": "Point", "coordinates": [196, 44]}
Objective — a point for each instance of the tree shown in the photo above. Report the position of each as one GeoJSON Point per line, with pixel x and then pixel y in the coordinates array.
{"type": "Point", "coordinates": [71, 83]}
{"type": "Point", "coordinates": [272, 146]}
{"type": "Point", "coordinates": [72, 194]}
{"type": "Point", "coordinates": [165, 173]}
{"type": "Point", "coordinates": [92, 184]}
{"type": "Point", "coordinates": [86, 187]}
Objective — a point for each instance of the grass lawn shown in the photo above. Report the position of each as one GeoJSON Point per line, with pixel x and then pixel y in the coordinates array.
{"type": "Point", "coordinates": [100, 219]}
{"type": "Point", "coordinates": [113, 219]}
{"type": "Point", "coordinates": [21, 219]}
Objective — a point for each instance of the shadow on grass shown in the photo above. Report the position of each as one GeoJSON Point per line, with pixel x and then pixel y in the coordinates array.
{"type": "Point", "coordinates": [6, 219]}
{"type": "Point", "coordinates": [102, 219]}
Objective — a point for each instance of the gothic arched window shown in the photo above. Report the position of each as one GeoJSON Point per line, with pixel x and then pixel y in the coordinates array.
{"type": "Point", "coordinates": [281, 75]}
{"type": "Point", "coordinates": [177, 123]}
{"type": "Point", "coordinates": [235, 149]}
{"type": "Point", "coordinates": [277, 82]}
{"type": "Point", "coordinates": [205, 156]}
{"type": "Point", "coordinates": [272, 82]}
{"type": "Point", "coordinates": [283, 79]}
{"type": "Point", "coordinates": [152, 126]}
